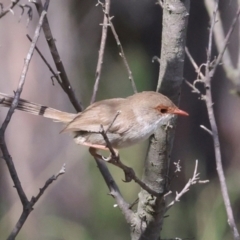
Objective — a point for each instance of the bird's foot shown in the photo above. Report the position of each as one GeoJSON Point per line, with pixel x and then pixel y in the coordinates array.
{"type": "Point", "coordinates": [115, 160]}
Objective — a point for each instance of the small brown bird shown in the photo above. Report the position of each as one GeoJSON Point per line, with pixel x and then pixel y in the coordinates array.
{"type": "Point", "coordinates": [126, 121]}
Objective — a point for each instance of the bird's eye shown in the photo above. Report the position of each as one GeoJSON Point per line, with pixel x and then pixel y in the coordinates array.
{"type": "Point", "coordinates": [163, 110]}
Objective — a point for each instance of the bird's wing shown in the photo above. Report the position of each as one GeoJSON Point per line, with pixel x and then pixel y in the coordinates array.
{"type": "Point", "coordinates": [100, 113]}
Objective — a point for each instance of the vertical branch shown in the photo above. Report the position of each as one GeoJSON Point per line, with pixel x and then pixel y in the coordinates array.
{"type": "Point", "coordinates": [215, 135]}
{"type": "Point", "coordinates": [101, 50]}
{"type": "Point", "coordinates": [151, 209]}
{"type": "Point", "coordinates": [219, 37]}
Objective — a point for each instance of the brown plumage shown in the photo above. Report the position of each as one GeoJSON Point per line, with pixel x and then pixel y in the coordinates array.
{"type": "Point", "coordinates": [136, 118]}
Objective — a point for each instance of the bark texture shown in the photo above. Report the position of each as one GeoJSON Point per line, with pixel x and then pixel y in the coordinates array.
{"type": "Point", "coordinates": [151, 210]}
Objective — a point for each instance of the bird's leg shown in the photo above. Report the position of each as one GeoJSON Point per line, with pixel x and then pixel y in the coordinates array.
{"type": "Point", "coordinates": [93, 151]}
{"type": "Point", "coordinates": [115, 160]}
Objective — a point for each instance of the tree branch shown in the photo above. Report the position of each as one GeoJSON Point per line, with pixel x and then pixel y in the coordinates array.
{"type": "Point", "coordinates": [151, 209]}
{"type": "Point", "coordinates": [9, 8]}
{"type": "Point", "coordinates": [3, 145]}
{"type": "Point", "coordinates": [209, 72]}
{"type": "Point", "coordinates": [106, 9]}
{"type": "Point", "coordinates": [121, 53]}
{"type": "Point", "coordinates": [28, 207]}
{"type": "Point", "coordinates": [115, 192]}
{"type": "Point", "coordinates": [208, 76]}
{"type": "Point", "coordinates": [232, 73]}
{"type": "Point", "coordinates": [191, 181]}
{"type": "Point", "coordinates": [66, 86]}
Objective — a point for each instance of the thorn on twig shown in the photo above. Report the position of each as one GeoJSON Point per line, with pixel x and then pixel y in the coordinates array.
{"type": "Point", "coordinates": [29, 12]}
{"type": "Point", "coordinates": [178, 166]}
{"type": "Point", "coordinates": [156, 59]}
{"type": "Point", "coordinates": [191, 181]}
{"type": "Point", "coordinates": [206, 129]}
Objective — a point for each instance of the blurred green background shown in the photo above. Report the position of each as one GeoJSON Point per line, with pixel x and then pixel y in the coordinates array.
{"type": "Point", "coordinates": [77, 205]}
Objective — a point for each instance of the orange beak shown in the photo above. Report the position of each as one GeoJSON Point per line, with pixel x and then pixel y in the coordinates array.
{"type": "Point", "coordinates": [180, 112]}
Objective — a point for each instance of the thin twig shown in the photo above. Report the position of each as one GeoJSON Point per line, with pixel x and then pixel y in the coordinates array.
{"type": "Point", "coordinates": [18, 92]}
{"type": "Point", "coordinates": [219, 36]}
{"type": "Point", "coordinates": [213, 22]}
{"type": "Point", "coordinates": [206, 129]}
{"type": "Point", "coordinates": [101, 50]}
{"type": "Point", "coordinates": [129, 172]}
{"type": "Point", "coordinates": [114, 119]}
{"type": "Point", "coordinates": [55, 75]}
{"type": "Point", "coordinates": [209, 103]}
{"type": "Point", "coordinates": [130, 76]}
{"type": "Point", "coordinates": [29, 12]}
{"type": "Point", "coordinates": [114, 190]}
{"type": "Point", "coordinates": [197, 69]}
{"type": "Point", "coordinates": [209, 72]}
{"type": "Point", "coordinates": [9, 8]}
{"type": "Point", "coordinates": [226, 42]}
{"type": "Point", "coordinates": [47, 183]}
{"type": "Point", "coordinates": [29, 206]}
{"type": "Point", "coordinates": [191, 181]}
{"type": "Point", "coordinates": [66, 86]}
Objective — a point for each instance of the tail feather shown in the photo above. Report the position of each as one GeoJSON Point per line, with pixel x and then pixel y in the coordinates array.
{"type": "Point", "coordinates": [37, 109]}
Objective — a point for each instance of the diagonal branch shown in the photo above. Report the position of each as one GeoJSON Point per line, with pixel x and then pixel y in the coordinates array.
{"type": "Point", "coordinates": [55, 75]}
{"type": "Point", "coordinates": [114, 191]}
{"type": "Point", "coordinates": [29, 206]}
{"type": "Point", "coordinates": [18, 92]}
{"type": "Point", "coordinates": [58, 62]}
{"type": "Point", "coordinates": [191, 181]}
{"type": "Point", "coordinates": [9, 8]}
{"type": "Point", "coordinates": [219, 36]}
{"type": "Point", "coordinates": [209, 72]}
{"type": "Point", "coordinates": [130, 75]}
{"type": "Point", "coordinates": [101, 50]}
{"type": "Point", "coordinates": [226, 42]}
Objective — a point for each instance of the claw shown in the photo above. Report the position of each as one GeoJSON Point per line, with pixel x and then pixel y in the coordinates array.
{"type": "Point", "coordinates": [107, 159]}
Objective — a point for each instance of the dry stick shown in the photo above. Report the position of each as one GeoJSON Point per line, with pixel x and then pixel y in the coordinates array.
{"type": "Point", "coordinates": [9, 8]}
{"type": "Point", "coordinates": [214, 129]}
{"type": "Point", "coordinates": [101, 50]}
{"type": "Point", "coordinates": [226, 41]}
{"type": "Point", "coordinates": [66, 86]}
{"type": "Point", "coordinates": [214, 134]}
{"type": "Point", "coordinates": [219, 36]}
{"type": "Point", "coordinates": [55, 75]}
{"type": "Point", "coordinates": [29, 207]}
{"type": "Point", "coordinates": [130, 76]}
{"type": "Point", "coordinates": [209, 51]}
{"type": "Point", "coordinates": [220, 171]}
{"type": "Point", "coordinates": [209, 104]}
{"type": "Point", "coordinates": [3, 146]}
{"type": "Point", "coordinates": [114, 190]}
{"type": "Point", "coordinates": [129, 172]}
{"type": "Point", "coordinates": [191, 181]}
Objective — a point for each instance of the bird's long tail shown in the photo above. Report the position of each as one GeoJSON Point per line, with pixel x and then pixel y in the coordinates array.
{"type": "Point", "coordinates": [37, 109]}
